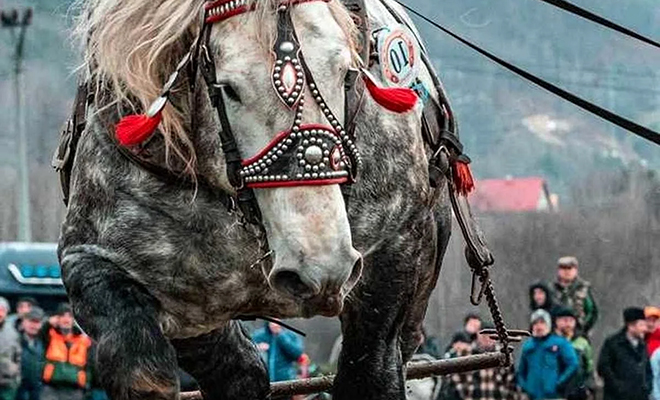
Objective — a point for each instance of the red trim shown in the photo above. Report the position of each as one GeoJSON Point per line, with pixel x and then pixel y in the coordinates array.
{"type": "Point", "coordinates": [282, 135]}
{"type": "Point", "coordinates": [243, 9]}
{"type": "Point", "coordinates": [310, 182]}
{"type": "Point", "coordinates": [221, 17]}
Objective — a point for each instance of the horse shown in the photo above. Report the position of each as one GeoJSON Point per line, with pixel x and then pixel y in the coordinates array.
{"type": "Point", "coordinates": [270, 177]}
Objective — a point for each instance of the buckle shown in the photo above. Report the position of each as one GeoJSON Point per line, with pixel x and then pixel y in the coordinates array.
{"type": "Point", "coordinates": [63, 152]}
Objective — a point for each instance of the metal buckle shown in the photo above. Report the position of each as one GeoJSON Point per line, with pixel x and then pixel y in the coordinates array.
{"type": "Point", "coordinates": [63, 152]}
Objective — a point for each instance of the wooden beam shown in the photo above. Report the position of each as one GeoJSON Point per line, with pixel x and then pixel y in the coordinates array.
{"type": "Point", "coordinates": [416, 370]}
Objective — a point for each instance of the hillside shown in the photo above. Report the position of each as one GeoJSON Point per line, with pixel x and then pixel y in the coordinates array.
{"type": "Point", "coordinates": [508, 126]}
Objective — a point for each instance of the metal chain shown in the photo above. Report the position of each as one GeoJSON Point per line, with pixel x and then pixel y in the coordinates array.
{"type": "Point", "coordinates": [496, 313]}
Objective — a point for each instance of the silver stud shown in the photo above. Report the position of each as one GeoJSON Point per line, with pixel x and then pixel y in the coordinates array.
{"type": "Point", "coordinates": [315, 175]}
{"type": "Point", "coordinates": [274, 158]}
{"type": "Point", "coordinates": [295, 61]}
{"type": "Point", "coordinates": [287, 47]}
{"type": "Point", "coordinates": [285, 148]}
{"type": "Point", "coordinates": [279, 153]}
{"type": "Point", "coordinates": [299, 176]}
{"type": "Point", "coordinates": [301, 163]}
{"type": "Point", "coordinates": [285, 178]}
{"type": "Point", "coordinates": [315, 168]}
{"type": "Point", "coordinates": [307, 176]}
{"type": "Point", "coordinates": [287, 58]}
{"type": "Point", "coordinates": [279, 62]}
{"type": "Point", "coordinates": [308, 167]}
{"type": "Point", "coordinates": [322, 175]}
{"type": "Point", "coordinates": [278, 69]}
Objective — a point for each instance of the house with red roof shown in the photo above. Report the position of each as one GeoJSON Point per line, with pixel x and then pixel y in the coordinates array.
{"type": "Point", "coordinates": [513, 195]}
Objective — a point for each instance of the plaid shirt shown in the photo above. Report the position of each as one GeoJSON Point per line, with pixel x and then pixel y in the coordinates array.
{"type": "Point", "coordinates": [485, 384]}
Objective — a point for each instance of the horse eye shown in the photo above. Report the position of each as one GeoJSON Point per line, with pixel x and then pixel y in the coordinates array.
{"type": "Point", "coordinates": [231, 93]}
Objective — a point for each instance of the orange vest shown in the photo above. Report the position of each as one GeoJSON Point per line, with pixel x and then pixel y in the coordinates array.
{"type": "Point", "coordinates": [66, 349]}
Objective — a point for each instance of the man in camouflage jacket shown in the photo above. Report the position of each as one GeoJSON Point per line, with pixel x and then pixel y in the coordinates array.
{"type": "Point", "coordinates": [571, 291]}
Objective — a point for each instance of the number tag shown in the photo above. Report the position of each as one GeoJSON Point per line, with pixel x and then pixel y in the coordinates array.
{"type": "Point", "coordinates": [399, 56]}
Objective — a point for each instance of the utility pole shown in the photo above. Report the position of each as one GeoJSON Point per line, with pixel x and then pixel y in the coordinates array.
{"type": "Point", "coordinates": [19, 21]}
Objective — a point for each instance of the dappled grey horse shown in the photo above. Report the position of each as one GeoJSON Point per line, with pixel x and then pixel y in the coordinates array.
{"type": "Point", "coordinates": [283, 180]}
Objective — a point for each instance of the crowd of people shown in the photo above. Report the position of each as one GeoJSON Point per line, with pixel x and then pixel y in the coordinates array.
{"type": "Point", "coordinates": [557, 362]}
{"type": "Point", "coordinates": [44, 357]}
{"type": "Point", "coordinates": [49, 358]}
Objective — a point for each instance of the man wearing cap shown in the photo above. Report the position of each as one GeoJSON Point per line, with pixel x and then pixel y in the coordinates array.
{"type": "Point", "coordinates": [624, 363]}
{"type": "Point", "coordinates": [66, 370]}
{"type": "Point", "coordinates": [23, 306]}
{"type": "Point", "coordinates": [652, 315]}
{"type": "Point", "coordinates": [32, 357]}
{"type": "Point", "coordinates": [566, 326]}
{"type": "Point", "coordinates": [547, 361]}
{"type": "Point", "coordinates": [569, 290]}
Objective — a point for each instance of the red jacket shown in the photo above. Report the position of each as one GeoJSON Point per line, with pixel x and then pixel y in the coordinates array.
{"type": "Point", "coordinates": [653, 341]}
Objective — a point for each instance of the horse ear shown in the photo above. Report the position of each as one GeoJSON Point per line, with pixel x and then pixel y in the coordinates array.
{"type": "Point", "coordinates": [399, 100]}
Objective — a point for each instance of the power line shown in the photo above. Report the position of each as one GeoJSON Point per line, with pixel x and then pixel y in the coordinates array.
{"type": "Point", "coordinates": [618, 120]}
{"type": "Point", "coordinates": [588, 15]}
{"type": "Point", "coordinates": [486, 72]}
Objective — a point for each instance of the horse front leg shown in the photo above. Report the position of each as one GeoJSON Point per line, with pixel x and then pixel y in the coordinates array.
{"type": "Point", "coordinates": [370, 366]}
{"type": "Point", "coordinates": [134, 360]}
{"type": "Point", "coordinates": [225, 363]}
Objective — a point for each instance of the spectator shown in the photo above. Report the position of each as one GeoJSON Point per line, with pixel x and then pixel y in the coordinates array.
{"type": "Point", "coordinates": [430, 345]}
{"type": "Point", "coordinates": [624, 363]}
{"type": "Point", "coordinates": [652, 315]}
{"type": "Point", "coordinates": [32, 358]}
{"type": "Point", "coordinates": [10, 355]}
{"type": "Point", "coordinates": [574, 292]}
{"type": "Point", "coordinates": [281, 350]}
{"type": "Point", "coordinates": [566, 326]}
{"type": "Point", "coordinates": [65, 372]}
{"type": "Point", "coordinates": [23, 306]}
{"type": "Point", "coordinates": [547, 361]}
{"type": "Point", "coordinates": [655, 367]}
{"type": "Point", "coordinates": [461, 345]}
{"type": "Point", "coordinates": [485, 384]}
{"type": "Point", "coordinates": [540, 297]}
{"type": "Point", "coordinates": [471, 327]}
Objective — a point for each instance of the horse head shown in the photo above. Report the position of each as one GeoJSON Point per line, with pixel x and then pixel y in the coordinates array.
{"type": "Point", "coordinates": [281, 73]}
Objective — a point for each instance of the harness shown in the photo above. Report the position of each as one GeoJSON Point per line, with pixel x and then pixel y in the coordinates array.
{"type": "Point", "coordinates": [305, 154]}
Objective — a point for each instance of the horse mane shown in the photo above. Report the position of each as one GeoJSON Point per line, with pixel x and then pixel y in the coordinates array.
{"type": "Point", "coordinates": [131, 46]}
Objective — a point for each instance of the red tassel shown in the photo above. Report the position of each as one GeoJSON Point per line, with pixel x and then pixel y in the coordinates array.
{"type": "Point", "coordinates": [399, 100]}
{"type": "Point", "coordinates": [135, 129]}
{"type": "Point", "coordinates": [463, 180]}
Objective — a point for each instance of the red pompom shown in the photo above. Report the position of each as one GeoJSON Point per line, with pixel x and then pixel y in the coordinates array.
{"type": "Point", "coordinates": [463, 180]}
{"type": "Point", "coordinates": [135, 129]}
{"type": "Point", "coordinates": [399, 100]}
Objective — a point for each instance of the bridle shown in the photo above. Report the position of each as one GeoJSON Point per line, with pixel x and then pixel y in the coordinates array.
{"type": "Point", "coordinates": [305, 154]}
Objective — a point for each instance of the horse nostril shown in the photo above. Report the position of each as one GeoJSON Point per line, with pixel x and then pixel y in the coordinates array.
{"type": "Point", "coordinates": [292, 283]}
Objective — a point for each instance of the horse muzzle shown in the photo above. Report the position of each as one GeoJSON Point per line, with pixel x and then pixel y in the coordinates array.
{"type": "Point", "coordinates": [322, 287]}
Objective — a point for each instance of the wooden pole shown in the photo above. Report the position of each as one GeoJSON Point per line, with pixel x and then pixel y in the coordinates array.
{"type": "Point", "coordinates": [416, 370]}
